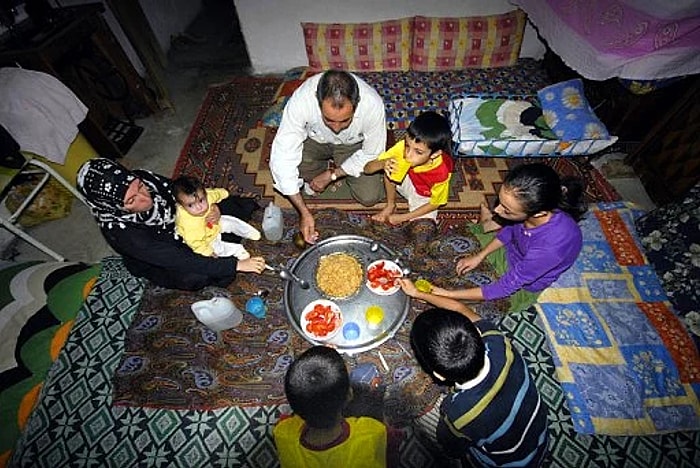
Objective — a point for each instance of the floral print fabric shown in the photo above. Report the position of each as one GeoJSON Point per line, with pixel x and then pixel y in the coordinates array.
{"type": "Point", "coordinates": [670, 236]}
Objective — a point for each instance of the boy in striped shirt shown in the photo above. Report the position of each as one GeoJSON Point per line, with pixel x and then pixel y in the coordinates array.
{"type": "Point", "coordinates": [493, 414]}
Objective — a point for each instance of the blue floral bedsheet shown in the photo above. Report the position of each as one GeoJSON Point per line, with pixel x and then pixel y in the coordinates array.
{"type": "Point", "coordinates": [625, 361]}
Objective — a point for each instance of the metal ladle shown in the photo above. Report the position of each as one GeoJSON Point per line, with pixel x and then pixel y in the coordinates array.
{"type": "Point", "coordinates": [287, 275]}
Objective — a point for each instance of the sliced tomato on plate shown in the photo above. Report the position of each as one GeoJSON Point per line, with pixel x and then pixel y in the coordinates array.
{"type": "Point", "coordinates": [321, 320]}
{"type": "Point", "coordinates": [381, 277]}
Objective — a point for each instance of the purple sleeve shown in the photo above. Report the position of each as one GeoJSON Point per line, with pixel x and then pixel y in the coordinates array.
{"type": "Point", "coordinates": [536, 257]}
{"type": "Point", "coordinates": [526, 271]}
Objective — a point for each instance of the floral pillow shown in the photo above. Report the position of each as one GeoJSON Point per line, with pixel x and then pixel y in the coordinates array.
{"type": "Point", "coordinates": [380, 46]}
{"type": "Point", "coordinates": [467, 42]}
{"type": "Point", "coordinates": [567, 112]}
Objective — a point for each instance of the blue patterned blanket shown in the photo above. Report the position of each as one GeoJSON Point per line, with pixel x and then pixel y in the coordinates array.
{"type": "Point", "coordinates": [625, 361]}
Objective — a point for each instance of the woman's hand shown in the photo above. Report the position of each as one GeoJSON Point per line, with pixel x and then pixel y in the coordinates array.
{"type": "Point", "coordinates": [468, 263]}
{"type": "Point", "coordinates": [214, 214]}
{"type": "Point", "coordinates": [251, 265]}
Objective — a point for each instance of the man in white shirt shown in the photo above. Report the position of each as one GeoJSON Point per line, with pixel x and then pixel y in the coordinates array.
{"type": "Point", "coordinates": [333, 116]}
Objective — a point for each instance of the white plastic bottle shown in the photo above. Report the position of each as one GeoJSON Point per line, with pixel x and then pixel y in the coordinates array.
{"type": "Point", "coordinates": [273, 224]}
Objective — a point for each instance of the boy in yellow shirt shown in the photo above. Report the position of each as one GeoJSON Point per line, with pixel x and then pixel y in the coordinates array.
{"type": "Point", "coordinates": [317, 435]}
{"type": "Point", "coordinates": [419, 168]}
{"type": "Point", "coordinates": [193, 206]}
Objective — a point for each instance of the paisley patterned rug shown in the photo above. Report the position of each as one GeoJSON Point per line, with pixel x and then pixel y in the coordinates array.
{"type": "Point", "coordinates": [173, 361]}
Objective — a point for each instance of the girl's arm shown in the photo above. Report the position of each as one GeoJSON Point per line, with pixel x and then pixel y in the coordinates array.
{"type": "Point", "coordinates": [438, 301]}
{"type": "Point", "coordinates": [469, 263]}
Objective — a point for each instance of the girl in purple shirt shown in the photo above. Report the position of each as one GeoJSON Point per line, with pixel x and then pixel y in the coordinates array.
{"type": "Point", "coordinates": [541, 239]}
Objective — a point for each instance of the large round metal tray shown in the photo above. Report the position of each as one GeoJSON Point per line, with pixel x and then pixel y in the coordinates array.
{"type": "Point", "coordinates": [353, 307]}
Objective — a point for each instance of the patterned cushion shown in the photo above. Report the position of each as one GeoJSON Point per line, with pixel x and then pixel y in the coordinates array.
{"type": "Point", "coordinates": [467, 42]}
{"type": "Point", "coordinates": [379, 46]}
{"type": "Point", "coordinates": [567, 112]}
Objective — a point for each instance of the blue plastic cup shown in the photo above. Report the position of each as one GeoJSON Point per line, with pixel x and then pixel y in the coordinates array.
{"type": "Point", "coordinates": [256, 307]}
{"type": "Point", "coordinates": [351, 331]}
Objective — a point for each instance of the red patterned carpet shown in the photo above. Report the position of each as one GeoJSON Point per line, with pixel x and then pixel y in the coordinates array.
{"type": "Point", "coordinates": [228, 147]}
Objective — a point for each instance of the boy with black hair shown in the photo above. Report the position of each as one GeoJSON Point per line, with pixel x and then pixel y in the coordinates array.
{"type": "Point", "coordinates": [317, 386]}
{"type": "Point", "coordinates": [419, 168]}
{"type": "Point", "coordinates": [493, 414]}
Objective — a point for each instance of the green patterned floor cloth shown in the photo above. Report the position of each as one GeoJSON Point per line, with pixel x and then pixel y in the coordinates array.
{"type": "Point", "coordinates": [76, 425]}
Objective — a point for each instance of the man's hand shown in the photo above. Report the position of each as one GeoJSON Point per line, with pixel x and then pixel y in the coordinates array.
{"type": "Point", "coordinates": [307, 226]}
{"type": "Point", "coordinates": [214, 214]}
{"type": "Point", "coordinates": [321, 181]}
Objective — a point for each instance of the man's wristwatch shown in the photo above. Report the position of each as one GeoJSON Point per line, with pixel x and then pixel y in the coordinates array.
{"type": "Point", "coordinates": [334, 176]}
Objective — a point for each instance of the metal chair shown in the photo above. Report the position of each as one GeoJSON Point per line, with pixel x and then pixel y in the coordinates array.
{"type": "Point", "coordinates": [9, 175]}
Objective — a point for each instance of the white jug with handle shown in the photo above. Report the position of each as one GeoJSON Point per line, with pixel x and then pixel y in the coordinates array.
{"type": "Point", "coordinates": [272, 223]}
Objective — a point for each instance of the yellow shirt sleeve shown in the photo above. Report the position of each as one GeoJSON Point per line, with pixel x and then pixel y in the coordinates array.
{"type": "Point", "coordinates": [215, 195]}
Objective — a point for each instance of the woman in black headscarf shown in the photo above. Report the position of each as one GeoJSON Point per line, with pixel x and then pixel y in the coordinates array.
{"type": "Point", "coordinates": [136, 214]}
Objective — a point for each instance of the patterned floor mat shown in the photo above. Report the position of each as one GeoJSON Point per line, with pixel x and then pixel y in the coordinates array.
{"type": "Point", "coordinates": [172, 361]}
{"type": "Point", "coordinates": [75, 423]}
{"type": "Point", "coordinates": [38, 305]}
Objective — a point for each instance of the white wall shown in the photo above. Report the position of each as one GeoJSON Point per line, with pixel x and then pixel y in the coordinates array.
{"type": "Point", "coordinates": [272, 29]}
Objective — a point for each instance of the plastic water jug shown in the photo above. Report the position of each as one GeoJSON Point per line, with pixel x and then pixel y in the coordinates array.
{"type": "Point", "coordinates": [273, 224]}
{"type": "Point", "coordinates": [218, 313]}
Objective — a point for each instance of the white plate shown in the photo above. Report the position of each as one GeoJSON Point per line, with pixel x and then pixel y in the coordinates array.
{"type": "Point", "coordinates": [309, 307]}
{"type": "Point", "coordinates": [388, 265]}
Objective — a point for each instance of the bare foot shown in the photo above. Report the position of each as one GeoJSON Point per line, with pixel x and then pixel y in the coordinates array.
{"type": "Point", "coordinates": [486, 219]}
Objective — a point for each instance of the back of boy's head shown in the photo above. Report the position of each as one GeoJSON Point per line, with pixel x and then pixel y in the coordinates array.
{"type": "Point", "coordinates": [433, 129]}
{"type": "Point", "coordinates": [448, 344]}
{"type": "Point", "coordinates": [186, 185]}
{"type": "Point", "coordinates": [317, 385]}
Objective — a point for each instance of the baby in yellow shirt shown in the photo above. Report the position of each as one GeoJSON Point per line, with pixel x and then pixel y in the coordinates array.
{"type": "Point", "coordinates": [193, 206]}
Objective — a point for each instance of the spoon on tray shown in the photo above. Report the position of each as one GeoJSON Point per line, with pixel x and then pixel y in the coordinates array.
{"type": "Point", "coordinates": [287, 275]}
